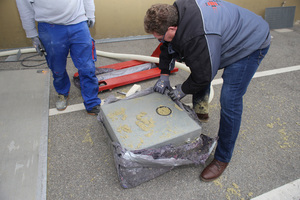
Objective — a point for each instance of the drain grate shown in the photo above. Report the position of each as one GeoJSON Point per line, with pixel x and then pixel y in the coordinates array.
{"type": "Point", "coordinates": [280, 17]}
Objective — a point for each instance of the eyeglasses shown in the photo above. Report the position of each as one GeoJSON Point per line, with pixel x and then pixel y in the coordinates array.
{"type": "Point", "coordinates": [162, 40]}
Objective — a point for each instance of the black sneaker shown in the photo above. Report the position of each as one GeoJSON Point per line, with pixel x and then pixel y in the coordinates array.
{"type": "Point", "coordinates": [95, 110]}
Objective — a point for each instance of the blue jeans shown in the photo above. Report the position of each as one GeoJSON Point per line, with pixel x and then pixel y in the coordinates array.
{"type": "Point", "coordinates": [58, 41]}
{"type": "Point", "coordinates": [236, 77]}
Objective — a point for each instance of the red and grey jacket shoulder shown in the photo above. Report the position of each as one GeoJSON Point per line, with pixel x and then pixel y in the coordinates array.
{"type": "Point", "coordinates": [212, 35]}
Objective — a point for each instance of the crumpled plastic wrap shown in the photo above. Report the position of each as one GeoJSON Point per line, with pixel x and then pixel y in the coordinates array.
{"type": "Point", "coordinates": [126, 71]}
{"type": "Point", "coordinates": [108, 73]}
{"type": "Point", "coordinates": [138, 166]}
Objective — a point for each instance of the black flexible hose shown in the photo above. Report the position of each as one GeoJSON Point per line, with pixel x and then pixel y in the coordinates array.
{"type": "Point", "coordinates": [27, 59]}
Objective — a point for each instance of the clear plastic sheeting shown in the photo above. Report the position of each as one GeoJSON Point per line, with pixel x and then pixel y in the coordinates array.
{"type": "Point", "coordinates": [108, 73]}
{"type": "Point", "coordinates": [125, 71]}
{"type": "Point", "coordinates": [135, 167]}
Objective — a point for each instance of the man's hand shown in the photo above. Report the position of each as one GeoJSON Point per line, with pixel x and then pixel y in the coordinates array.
{"type": "Point", "coordinates": [38, 45]}
{"type": "Point", "coordinates": [162, 84]}
{"type": "Point", "coordinates": [177, 93]}
{"type": "Point", "coordinates": [91, 22]}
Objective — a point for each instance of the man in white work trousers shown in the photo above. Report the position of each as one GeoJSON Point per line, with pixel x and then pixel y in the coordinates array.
{"type": "Point", "coordinates": [63, 28]}
{"type": "Point", "coordinates": [209, 35]}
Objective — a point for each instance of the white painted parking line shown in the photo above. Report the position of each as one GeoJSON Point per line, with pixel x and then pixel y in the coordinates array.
{"type": "Point", "coordinates": [70, 108]}
{"type": "Point", "coordinates": [265, 73]}
{"type": "Point", "coordinates": [277, 71]}
{"type": "Point", "coordinates": [77, 107]}
{"type": "Point", "coordinates": [290, 191]}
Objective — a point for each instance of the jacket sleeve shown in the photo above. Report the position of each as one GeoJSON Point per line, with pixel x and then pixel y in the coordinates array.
{"type": "Point", "coordinates": [27, 17]}
{"type": "Point", "coordinates": [198, 59]}
{"type": "Point", "coordinates": [164, 59]}
{"type": "Point", "coordinates": [89, 7]}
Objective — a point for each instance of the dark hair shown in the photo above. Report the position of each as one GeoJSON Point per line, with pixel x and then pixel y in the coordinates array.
{"type": "Point", "coordinates": [159, 18]}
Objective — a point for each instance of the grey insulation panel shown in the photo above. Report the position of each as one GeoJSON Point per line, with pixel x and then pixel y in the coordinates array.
{"type": "Point", "coordinates": [149, 121]}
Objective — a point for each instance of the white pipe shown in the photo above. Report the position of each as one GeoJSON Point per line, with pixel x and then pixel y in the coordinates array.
{"type": "Point", "coordinates": [117, 56]}
{"type": "Point", "coordinates": [106, 54]}
{"type": "Point", "coordinates": [140, 58]}
{"type": "Point", "coordinates": [152, 60]}
{"type": "Point", "coordinates": [12, 52]}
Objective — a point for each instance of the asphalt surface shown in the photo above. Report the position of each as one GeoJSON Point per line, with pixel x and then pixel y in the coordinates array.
{"type": "Point", "coordinates": [266, 156]}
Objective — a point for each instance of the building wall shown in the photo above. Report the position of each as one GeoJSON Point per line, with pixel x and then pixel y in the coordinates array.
{"type": "Point", "coordinates": [114, 18]}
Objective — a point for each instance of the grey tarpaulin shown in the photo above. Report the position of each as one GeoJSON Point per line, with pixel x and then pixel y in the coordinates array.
{"type": "Point", "coordinates": [138, 166]}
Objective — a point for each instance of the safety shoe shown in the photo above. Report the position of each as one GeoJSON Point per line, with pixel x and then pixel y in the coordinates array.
{"type": "Point", "coordinates": [213, 171]}
{"type": "Point", "coordinates": [62, 102]}
{"type": "Point", "coordinates": [95, 110]}
{"type": "Point", "coordinates": [203, 117]}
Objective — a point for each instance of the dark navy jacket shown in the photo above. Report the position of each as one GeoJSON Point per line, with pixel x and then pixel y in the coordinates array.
{"type": "Point", "coordinates": [212, 34]}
